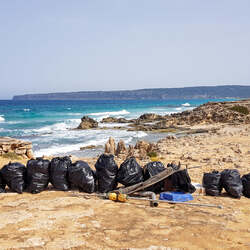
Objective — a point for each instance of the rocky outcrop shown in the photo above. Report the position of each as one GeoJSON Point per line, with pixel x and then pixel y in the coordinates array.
{"type": "Point", "coordinates": [212, 112]}
{"type": "Point", "coordinates": [15, 146]}
{"type": "Point", "coordinates": [150, 117]}
{"type": "Point", "coordinates": [87, 123]}
{"type": "Point", "coordinates": [114, 120]}
{"type": "Point", "coordinates": [121, 148]}
{"type": "Point", "coordinates": [110, 146]}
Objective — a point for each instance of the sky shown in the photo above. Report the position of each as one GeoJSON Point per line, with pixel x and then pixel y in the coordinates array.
{"type": "Point", "coordinates": [79, 45]}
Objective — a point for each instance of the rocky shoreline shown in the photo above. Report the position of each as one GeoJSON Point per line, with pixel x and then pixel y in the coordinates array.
{"type": "Point", "coordinates": [236, 112]}
{"type": "Point", "coordinates": [53, 219]}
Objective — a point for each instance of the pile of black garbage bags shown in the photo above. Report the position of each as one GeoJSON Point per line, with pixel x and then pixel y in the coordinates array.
{"type": "Point", "coordinates": [65, 175]}
{"type": "Point", "coordinates": [230, 180]}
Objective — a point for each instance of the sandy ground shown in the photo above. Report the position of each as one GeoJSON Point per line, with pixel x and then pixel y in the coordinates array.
{"type": "Point", "coordinates": [60, 220]}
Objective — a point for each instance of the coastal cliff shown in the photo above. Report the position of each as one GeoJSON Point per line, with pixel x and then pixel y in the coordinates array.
{"type": "Point", "coordinates": [226, 91]}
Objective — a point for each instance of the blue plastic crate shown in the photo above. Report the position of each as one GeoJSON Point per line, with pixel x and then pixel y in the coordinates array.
{"type": "Point", "coordinates": [176, 196]}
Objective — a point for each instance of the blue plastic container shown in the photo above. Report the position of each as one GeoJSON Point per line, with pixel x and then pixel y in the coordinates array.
{"type": "Point", "coordinates": [176, 196]}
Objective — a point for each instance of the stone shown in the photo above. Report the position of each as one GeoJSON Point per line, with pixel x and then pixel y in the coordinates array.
{"type": "Point", "coordinates": [30, 154]}
{"type": "Point", "coordinates": [20, 151]}
{"type": "Point", "coordinates": [121, 148]}
{"type": "Point", "coordinates": [150, 117]}
{"type": "Point", "coordinates": [114, 120]}
{"type": "Point", "coordinates": [6, 147]}
{"type": "Point", "coordinates": [110, 146]}
{"type": "Point", "coordinates": [87, 123]}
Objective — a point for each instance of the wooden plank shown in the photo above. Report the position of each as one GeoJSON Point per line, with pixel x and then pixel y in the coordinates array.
{"type": "Point", "coordinates": [151, 181]}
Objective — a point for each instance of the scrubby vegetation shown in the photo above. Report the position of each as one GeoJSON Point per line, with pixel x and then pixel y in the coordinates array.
{"type": "Point", "coordinates": [11, 156]}
{"type": "Point", "coordinates": [240, 109]}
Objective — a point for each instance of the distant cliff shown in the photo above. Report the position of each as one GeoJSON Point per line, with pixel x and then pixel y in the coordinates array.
{"type": "Point", "coordinates": [226, 91]}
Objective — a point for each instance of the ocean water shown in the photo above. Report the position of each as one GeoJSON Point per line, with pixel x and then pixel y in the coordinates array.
{"type": "Point", "coordinates": [49, 124]}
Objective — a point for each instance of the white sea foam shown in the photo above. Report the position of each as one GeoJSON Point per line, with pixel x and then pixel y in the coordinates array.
{"type": "Point", "coordinates": [60, 126]}
{"type": "Point", "coordinates": [179, 109]}
{"type": "Point", "coordinates": [140, 134]}
{"type": "Point", "coordinates": [113, 125]}
{"type": "Point", "coordinates": [2, 118]}
{"type": "Point", "coordinates": [73, 114]}
{"type": "Point", "coordinates": [186, 104]}
{"type": "Point", "coordinates": [26, 110]}
{"type": "Point", "coordinates": [111, 113]}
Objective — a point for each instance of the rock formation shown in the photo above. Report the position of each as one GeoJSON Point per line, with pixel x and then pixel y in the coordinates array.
{"type": "Point", "coordinates": [114, 120]}
{"type": "Point", "coordinates": [18, 147]}
{"type": "Point", "coordinates": [87, 123]}
{"type": "Point", "coordinates": [110, 146]}
{"type": "Point", "coordinates": [121, 148]}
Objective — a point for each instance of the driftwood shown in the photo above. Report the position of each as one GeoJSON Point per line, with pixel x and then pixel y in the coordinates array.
{"type": "Point", "coordinates": [151, 181]}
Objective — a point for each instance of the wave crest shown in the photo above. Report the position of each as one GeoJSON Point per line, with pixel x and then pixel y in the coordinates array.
{"type": "Point", "coordinates": [111, 113]}
{"type": "Point", "coordinates": [186, 104]}
{"type": "Point", "coordinates": [2, 118]}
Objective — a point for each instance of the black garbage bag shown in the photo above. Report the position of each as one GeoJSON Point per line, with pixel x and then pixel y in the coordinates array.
{"type": "Point", "coordinates": [59, 172]}
{"type": "Point", "coordinates": [130, 172]}
{"type": "Point", "coordinates": [106, 172]}
{"type": "Point", "coordinates": [212, 183]}
{"type": "Point", "coordinates": [82, 176]}
{"type": "Point", "coordinates": [151, 169]}
{"type": "Point", "coordinates": [181, 181]}
{"type": "Point", "coordinates": [2, 184]}
{"type": "Point", "coordinates": [14, 175]}
{"type": "Point", "coordinates": [37, 175]}
{"type": "Point", "coordinates": [231, 181]}
{"type": "Point", "coordinates": [246, 184]}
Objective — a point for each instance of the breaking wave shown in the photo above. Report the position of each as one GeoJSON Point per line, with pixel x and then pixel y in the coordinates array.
{"type": "Point", "coordinates": [111, 113]}
{"type": "Point", "coordinates": [2, 118]}
{"type": "Point", "coordinates": [186, 104]}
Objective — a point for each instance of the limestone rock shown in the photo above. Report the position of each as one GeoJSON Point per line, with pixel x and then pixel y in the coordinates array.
{"type": "Point", "coordinates": [110, 146]}
{"type": "Point", "coordinates": [121, 148]}
{"type": "Point", "coordinates": [87, 123]}
{"type": "Point", "coordinates": [12, 145]}
{"type": "Point", "coordinates": [150, 117]}
{"type": "Point", "coordinates": [30, 154]}
{"type": "Point", "coordinates": [114, 120]}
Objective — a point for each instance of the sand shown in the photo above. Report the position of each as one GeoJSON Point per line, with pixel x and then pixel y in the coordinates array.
{"type": "Point", "coordinates": [61, 220]}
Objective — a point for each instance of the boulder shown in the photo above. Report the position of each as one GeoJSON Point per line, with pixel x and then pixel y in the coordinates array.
{"type": "Point", "coordinates": [121, 148]}
{"type": "Point", "coordinates": [114, 120]}
{"type": "Point", "coordinates": [110, 146]}
{"type": "Point", "coordinates": [150, 117]}
{"type": "Point", "coordinates": [87, 123]}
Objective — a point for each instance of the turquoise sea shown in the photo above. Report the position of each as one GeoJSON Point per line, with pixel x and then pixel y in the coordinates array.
{"type": "Point", "coordinates": [48, 124]}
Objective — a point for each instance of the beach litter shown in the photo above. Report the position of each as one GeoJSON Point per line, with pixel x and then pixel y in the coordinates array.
{"type": "Point", "coordinates": [130, 172]}
{"type": "Point", "coordinates": [212, 183]}
{"type": "Point", "coordinates": [14, 175]}
{"type": "Point", "coordinates": [246, 184]}
{"type": "Point", "coordinates": [82, 177]}
{"type": "Point", "coordinates": [140, 184]}
{"type": "Point", "coordinates": [59, 173]}
{"type": "Point", "coordinates": [106, 172]}
{"type": "Point", "coordinates": [37, 175]}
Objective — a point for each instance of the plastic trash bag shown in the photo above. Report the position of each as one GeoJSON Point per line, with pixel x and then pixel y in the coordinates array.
{"type": "Point", "coordinates": [14, 175]}
{"type": "Point", "coordinates": [151, 169]}
{"type": "Point", "coordinates": [37, 175]}
{"type": "Point", "coordinates": [82, 176]}
{"type": "Point", "coordinates": [106, 172]}
{"type": "Point", "coordinates": [181, 181]}
{"type": "Point", "coordinates": [231, 181]}
{"type": "Point", "coordinates": [246, 184]}
{"type": "Point", "coordinates": [212, 183]}
{"type": "Point", "coordinates": [130, 172]}
{"type": "Point", "coordinates": [59, 172]}
{"type": "Point", "coordinates": [2, 184]}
